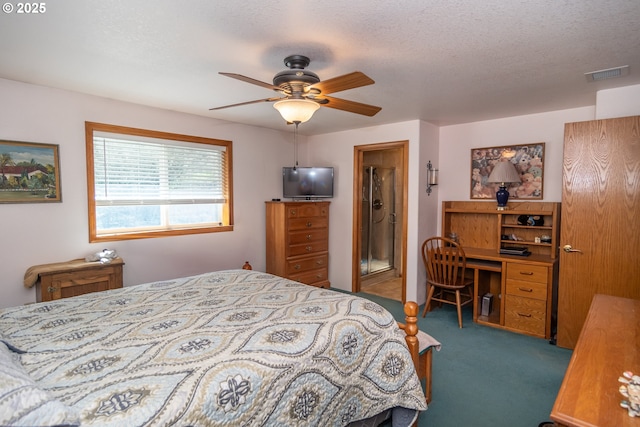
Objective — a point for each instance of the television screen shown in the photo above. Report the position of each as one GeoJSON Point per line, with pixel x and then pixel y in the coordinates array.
{"type": "Point", "coordinates": [307, 182]}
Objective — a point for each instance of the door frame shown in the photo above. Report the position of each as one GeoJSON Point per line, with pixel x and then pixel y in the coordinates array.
{"type": "Point", "coordinates": [358, 164]}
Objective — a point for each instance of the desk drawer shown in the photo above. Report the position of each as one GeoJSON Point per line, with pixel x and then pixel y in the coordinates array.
{"type": "Point", "coordinates": [527, 273]}
{"type": "Point", "coordinates": [525, 314]}
{"type": "Point", "coordinates": [527, 289]}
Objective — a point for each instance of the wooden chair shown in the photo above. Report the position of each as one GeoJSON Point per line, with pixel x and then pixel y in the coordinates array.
{"type": "Point", "coordinates": [445, 263]}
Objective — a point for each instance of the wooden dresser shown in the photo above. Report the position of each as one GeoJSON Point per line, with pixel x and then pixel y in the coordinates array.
{"type": "Point", "coordinates": [73, 278]}
{"type": "Point", "coordinates": [298, 241]}
{"type": "Point", "coordinates": [609, 344]}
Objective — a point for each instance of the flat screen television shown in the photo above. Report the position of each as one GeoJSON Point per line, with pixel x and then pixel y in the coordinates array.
{"type": "Point", "coordinates": [307, 182]}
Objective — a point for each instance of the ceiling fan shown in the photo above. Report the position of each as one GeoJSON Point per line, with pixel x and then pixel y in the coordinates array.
{"type": "Point", "coordinates": [303, 91]}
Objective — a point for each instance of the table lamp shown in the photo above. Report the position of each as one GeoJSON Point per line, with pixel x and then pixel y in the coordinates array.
{"type": "Point", "coordinates": [503, 173]}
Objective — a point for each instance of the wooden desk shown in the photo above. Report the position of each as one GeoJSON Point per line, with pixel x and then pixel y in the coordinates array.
{"type": "Point", "coordinates": [609, 344]}
{"type": "Point", "coordinates": [521, 287]}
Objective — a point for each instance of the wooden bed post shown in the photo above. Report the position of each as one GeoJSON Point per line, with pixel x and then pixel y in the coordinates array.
{"type": "Point", "coordinates": [422, 360]}
{"type": "Point", "coordinates": [411, 329]}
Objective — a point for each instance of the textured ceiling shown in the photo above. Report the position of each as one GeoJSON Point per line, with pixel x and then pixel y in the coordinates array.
{"type": "Point", "coordinates": [444, 62]}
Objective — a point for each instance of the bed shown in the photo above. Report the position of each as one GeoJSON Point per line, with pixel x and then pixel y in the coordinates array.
{"type": "Point", "coordinates": [232, 348]}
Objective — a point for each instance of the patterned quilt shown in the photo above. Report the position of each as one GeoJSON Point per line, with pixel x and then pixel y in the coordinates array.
{"type": "Point", "coordinates": [232, 348]}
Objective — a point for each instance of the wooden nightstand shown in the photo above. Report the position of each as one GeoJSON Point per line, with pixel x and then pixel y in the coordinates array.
{"type": "Point", "coordinates": [73, 278]}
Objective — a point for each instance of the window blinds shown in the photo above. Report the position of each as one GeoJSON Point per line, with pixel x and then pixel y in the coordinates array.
{"type": "Point", "coordinates": [132, 172]}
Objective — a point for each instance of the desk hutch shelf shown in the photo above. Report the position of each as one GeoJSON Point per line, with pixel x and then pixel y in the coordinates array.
{"type": "Point", "coordinates": [521, 286]}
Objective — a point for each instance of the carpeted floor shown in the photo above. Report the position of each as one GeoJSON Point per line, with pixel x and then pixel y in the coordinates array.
{"type": "Point", "coordinates": [485, 376]}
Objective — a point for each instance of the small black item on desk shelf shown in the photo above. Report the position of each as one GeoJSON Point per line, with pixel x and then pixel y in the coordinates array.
{"type": "Point", "coordinates": [515, 250]}
{"type": "Point", "coordinates": [536, 220]}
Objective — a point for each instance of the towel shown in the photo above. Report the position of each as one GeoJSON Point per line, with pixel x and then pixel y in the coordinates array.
{"type": "Point", "coordinates": [32, 273]}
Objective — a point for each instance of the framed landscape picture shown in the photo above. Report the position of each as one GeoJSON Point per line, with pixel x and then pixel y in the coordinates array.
{"type": "Point", "coordinates": [29, 172]}
{"type": "Point", "coordinates": [528, 161]}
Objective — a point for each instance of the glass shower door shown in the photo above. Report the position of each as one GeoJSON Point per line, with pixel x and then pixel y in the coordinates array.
{"type": "Point", "coordinates": [378, 220]}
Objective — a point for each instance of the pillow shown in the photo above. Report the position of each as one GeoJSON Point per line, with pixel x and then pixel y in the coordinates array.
{"type": "Point", "coordinates": [23, 403]}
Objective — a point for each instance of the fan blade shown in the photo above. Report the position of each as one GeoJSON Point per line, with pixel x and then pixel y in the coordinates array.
{"type": "Point", "coordinates": [348, 81]}
{"type": "Point", "coordinates": [350, 106]}
{"type": "Point", "coordinates": [252, 81]}
{"type": "Point", "coordinates": [246, 103]}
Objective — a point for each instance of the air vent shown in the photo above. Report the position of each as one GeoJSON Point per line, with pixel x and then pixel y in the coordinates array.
{"type": "Point", "coordinates": [595, 76]}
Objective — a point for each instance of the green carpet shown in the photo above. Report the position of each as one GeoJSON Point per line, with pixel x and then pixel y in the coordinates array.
{"type": "Point", "coordinates": [485, 376]}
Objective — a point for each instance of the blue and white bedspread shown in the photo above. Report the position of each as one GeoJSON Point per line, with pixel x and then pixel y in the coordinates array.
{"type": "Point", "coordinates": [232, 348]}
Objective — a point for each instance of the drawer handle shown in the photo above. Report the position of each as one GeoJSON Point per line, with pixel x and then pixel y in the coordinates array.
{"type": "Point", "coordinates": [52, 289]}
{"type": "Point", "coordinates": [309, 248]}
{"type": "Point", "coordinates": [527, 273]}
{"type": "Point", "coordinates": [525, 289]}
{"type": "Point", "coordinates": [319, 276]}
{"type": "Point", "coordinates": [293, 212]}
{"type": "Point", "coordinates": [524, 315]}
{"type": "Point", "coordinates": [319, 262]}
{"type": "Point", "coordinates": [309, 224]}
{"type": "Point", "coordinates": [297, 267]}
{"type": "Point", "coordinates": [308, 236]}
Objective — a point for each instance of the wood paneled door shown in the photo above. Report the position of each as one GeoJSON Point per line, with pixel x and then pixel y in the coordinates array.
{"type": "Point", "coordinates": [600, 221]}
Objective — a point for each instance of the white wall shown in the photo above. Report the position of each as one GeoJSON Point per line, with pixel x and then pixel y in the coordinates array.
{"type": "Point", "coordinates": [42, 233]}
{"type": "Point", "coordinates": [620, 102]}
{"type": "Point", "coordinates": [427, 218]}
{"type": "Point", "coordinates": [457, 141]}
{"type": "Point", "coordinates": [337, 150]}
{"type": "Point", "coordinates": [38, 233]}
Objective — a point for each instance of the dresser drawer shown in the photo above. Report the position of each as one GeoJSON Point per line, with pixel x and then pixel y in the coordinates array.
{"type": "Point", "coordinates": [297, 224]}
{"type": "Point", "coordinates": [308, 263]}
{"type": "Point", "coordinates": [315, 277]}
{"type": "Point", "coordinates": [527, 273]}
{"type": "Point", "coordinates": [307, 248]}
{"type": "Point", "coordinates": [305, 210]}
{"type": "Point", "coordinates": [306, 236]}
{"type": "Point", "coordinates": [527, 289]}
{"type": "Point", "coordinates": [525, 314]}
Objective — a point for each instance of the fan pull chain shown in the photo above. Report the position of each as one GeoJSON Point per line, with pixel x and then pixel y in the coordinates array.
{"type": "Point", "coordinates": [295, 145]}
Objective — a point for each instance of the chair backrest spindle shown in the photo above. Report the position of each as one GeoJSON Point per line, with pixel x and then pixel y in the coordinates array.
{"type": "Point", "coordinates": [444, 259]}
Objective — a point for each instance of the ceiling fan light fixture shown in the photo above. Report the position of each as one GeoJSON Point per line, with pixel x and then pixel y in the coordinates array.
{"type": "Point", "coordinates": [296, 110]}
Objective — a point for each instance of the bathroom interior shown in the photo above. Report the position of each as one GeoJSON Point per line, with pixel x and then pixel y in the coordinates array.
{"type": "Point", "coordinates": [381, 232]}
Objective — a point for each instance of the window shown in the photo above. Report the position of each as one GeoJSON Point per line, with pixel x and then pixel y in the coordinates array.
{"type": "Point", "coordinates": [144, 183]}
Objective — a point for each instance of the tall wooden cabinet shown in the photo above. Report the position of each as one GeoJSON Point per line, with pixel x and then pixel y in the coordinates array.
{"type": "Point", "coordinates": [298, 241]}
{"type": "Point", "coordinates": [521, 287]}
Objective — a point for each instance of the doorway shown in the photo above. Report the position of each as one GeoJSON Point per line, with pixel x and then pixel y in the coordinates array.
{"type": "Point", "coordinates": [379, 252]}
